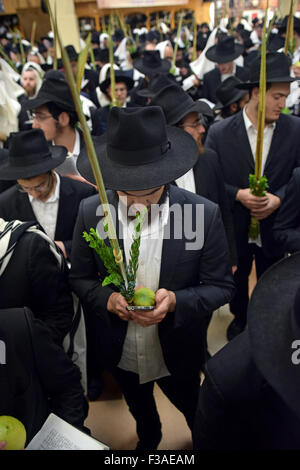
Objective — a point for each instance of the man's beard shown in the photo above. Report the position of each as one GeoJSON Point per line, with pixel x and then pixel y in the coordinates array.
{"type": "Point", "coordinates": [200, 145]}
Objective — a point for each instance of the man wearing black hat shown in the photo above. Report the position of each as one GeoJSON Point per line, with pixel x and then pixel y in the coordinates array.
{"type": "Point", "coordinates": [149, 64]}
{"type": "Point", "coordinates": [230, 99]}
{"type": "Point", "coordinates": [139, 157]}
{"type": "Point", "coordinates": [223, 53]}
{"type": "Point", "coordinates": [55, 115]}
{"type": "Point", "coordinates": [249, 399]}
{"type": "Point", "coordinates": [33, 272]}
{"type": "Point", "coordinates": [234, 140]}
{"type": "Point", "coordinates": [123, 84]}
{"type": "Point", "coordinates": [205, 178]}
{"type": "Point", "coordinates": [41, 194]}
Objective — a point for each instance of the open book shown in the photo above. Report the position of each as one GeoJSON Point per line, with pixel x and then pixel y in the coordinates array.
{"type": "Point", "coordinates": [57, 434]}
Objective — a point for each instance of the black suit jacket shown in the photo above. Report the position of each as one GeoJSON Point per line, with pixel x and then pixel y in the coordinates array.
{"type": "Point", "coordinates": [229, 139]}
{"type": "Point", "coordinates": [209, 183]}
{"type": "Point", "coordinates": [212, 79]}
{"type": "Point", "coordinates": [201, 279]}
{"type": "Point", "coordinates": [15, 205]}
{"type": "Point", "coordinates": [238, 409]}
{"type": "Point", "coordinates": [287, 222]}
{"type": "Point", "coordinates": [33, 279]}
{"type": "Point", "coordinates": [37, 377]}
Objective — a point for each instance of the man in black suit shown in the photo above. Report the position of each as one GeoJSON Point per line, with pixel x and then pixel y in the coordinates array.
{"type": "Point", "coordinates": [234, 140]}
{"type": "Point", "coordinates": [37, 377]}
{"type": "Point", "coordinates": [249, 399]}
{"type": "Point", "coordinates": [140, 157]}
{"type": "Point", "coordinates": [55, 114]}
{"type": "Point", "coordinates": [33, 273]}
{"type": "Point", "coordinates": [287, 223]}
{"type": "Point", "coordinates": [41, 194]}
{"type": "Point", "coordinates": [223, 53]}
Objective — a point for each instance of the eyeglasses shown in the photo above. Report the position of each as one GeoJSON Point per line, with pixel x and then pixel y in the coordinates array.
{"type": "Point", "coordinates": [200, 122]}
{"type": "Point", "coordinates": [40, 117]}
{"type": "Point", "coordinates": [39, 188]}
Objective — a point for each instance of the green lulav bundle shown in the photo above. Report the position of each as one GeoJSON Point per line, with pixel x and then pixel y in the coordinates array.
{"type": "Point", "coordinates": [258, 188]}
{"type": "Point", "coordinates": [106, 253]}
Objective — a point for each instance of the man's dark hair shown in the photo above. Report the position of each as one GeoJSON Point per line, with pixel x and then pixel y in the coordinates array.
{"type": "Point", "coordinates": [56, 110]}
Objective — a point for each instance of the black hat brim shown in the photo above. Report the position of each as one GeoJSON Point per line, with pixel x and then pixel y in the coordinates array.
{"type": "Point", "coordinates": [213, 56]}
{"type": "Point", "coordinates": [44, 99]}
{"type": "Point", "coordinates": [197, 107]}
{"type": "Point", "coordinates": [272, 328]}
{"type": "Point", "coordinates": [235, 98]}
{"type": "Point", "coordinates": [249, 85]}
{"type": "Point", "coordinates": [57, 155]}
{"type": "Point", "coordinates": [164, 67]}
{"type": "Point", "coordinates": [178, 160]}
{"type": "Point", "coordinates": [127, 80]}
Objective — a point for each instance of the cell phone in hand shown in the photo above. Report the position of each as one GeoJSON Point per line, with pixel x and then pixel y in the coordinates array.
{"type": "Point", "coordinates": [138, 308]}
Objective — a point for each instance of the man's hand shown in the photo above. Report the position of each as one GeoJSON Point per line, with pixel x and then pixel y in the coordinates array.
{"type": "Point", "coordinates": [2, 445]}
{"type": "Point", "coordinates": [264, 212]}
{"type": "Point", "coordinates": [117, 304]}
{"type": "Point", "coordinates": [62, 247]}
{"type": "Point", "coordinates": [245, 197]}
{"type": "Point", "coordinates": [165, 302]}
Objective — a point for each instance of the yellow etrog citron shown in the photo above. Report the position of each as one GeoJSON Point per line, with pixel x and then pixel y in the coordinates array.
{"type": "Point", "coordinates": [144, 297]}
{"type": "Point", "coordinates": [13, 432]}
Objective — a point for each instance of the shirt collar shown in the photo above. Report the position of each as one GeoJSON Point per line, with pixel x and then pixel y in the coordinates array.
{"type": "Point", "coordinates": [54, 197]}
{"type": "Point", "coordinates": [76, 149]}
{"type": "Point", "coordinates": [249, 125]}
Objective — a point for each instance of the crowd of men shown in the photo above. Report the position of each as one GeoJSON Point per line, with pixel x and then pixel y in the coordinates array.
{"type": "Point", "coordinates": [174, 136]}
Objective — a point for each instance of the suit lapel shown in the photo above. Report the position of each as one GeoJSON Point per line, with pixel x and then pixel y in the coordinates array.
{"type": "Point", "coordinates": [279, 135]}
{"type": "Point", "coordinates": [241, 136]}
{"type": "Point", "coordinates": [64, 207]}
{"type": "Point", "coordinates": [24, 207]}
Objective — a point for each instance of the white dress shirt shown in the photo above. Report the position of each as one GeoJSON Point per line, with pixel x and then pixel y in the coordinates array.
{"type": "Point", "coordinates": [142, 351]}
{"type": "Point", "coordinates": [227, 75]}
{"type": "Point", "coordinates": [252, 136]}
{"type": "Point", "coordinates": [187, 181]}
{"type": "Point", "coordinates": [46, 212]}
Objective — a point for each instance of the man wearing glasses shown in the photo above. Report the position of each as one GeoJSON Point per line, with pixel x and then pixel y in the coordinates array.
{"type": "Point", "coordinates": [55, 114]}
{"type": "Point", "coordinates": [41, 193]}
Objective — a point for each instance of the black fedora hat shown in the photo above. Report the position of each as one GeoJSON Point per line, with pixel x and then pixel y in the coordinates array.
{"type": "Point", "coordinates": [120, 76]}
{"type": "Point", "coordinates": [226, 50]}
{"type": "Point", "coordinates": [227, 93]}
{"type": "Point", "coordinates": [151, 63]}
{"type": "Point", "coordinates": [277, 69]}
{"type": "Point", "coordinates": [176, 104]}
{"type": "Point", "coordinates": [139, 151]}
{"type": "Point", "coordinates": [282, 27]}
{"type": "Point", "coordinates": [54, 89]}
{"type": "Point", "coordinates": [275, 42]}
{"type": "Point", "coordinates": [156, 83]}
{"type": "Point", "coordinates": [72, 54]}
{"type": "Point", "coordinates": [29, 155]}
{"type": "Point", "coordinates": [273, 326]}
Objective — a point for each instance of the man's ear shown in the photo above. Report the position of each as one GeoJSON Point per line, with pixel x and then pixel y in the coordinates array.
{"type": "Point", "coordinates": [255, 93]}
{"type": "Point", "coordinates": [64, 119]}
{"type": "Point", "coordinates": [233, 108]}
